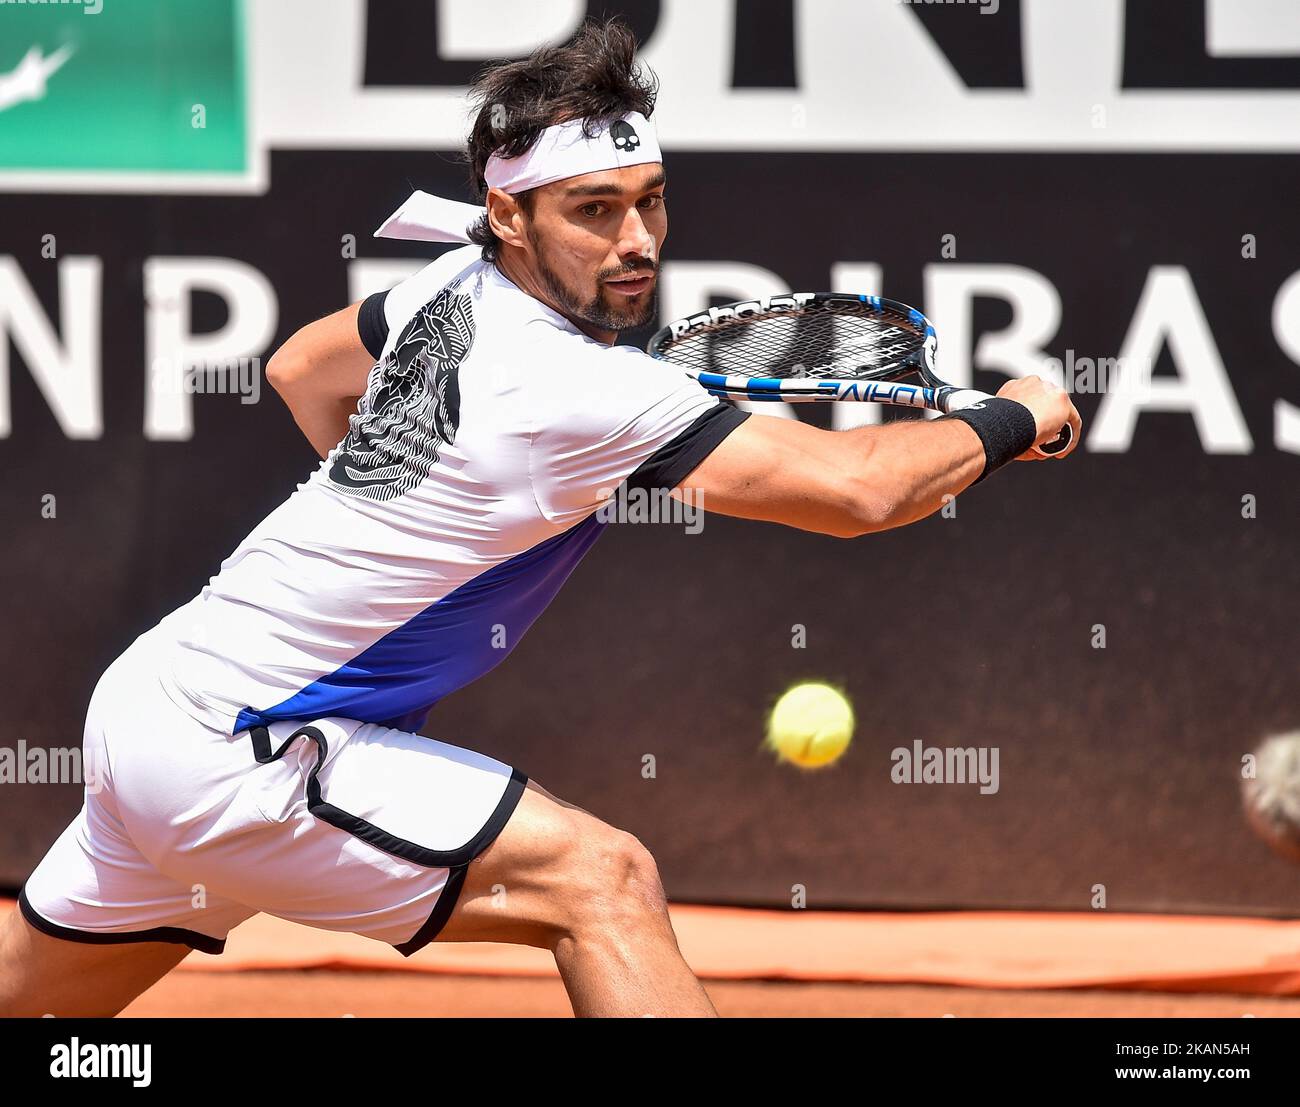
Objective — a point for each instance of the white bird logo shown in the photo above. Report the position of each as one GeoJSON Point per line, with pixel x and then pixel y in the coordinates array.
{"type": "Point", "coordinates": [27, 80]}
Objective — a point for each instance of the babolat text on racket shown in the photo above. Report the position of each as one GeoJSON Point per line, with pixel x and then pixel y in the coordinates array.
{"type": "Point", "coordinates": [805, 346]}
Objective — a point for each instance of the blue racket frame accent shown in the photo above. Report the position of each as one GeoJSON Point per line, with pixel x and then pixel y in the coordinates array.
{"type": "Point", "coordinates": [877, 385]}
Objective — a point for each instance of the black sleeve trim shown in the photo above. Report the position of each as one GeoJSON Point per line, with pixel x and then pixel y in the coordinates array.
{"type": "Point", "coordinates": [372, 324]}
{"type": "Point", "coordinates": [673, 462]}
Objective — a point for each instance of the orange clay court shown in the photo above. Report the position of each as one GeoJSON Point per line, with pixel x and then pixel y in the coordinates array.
{"type": "Point", "coordinates": [770, 963]}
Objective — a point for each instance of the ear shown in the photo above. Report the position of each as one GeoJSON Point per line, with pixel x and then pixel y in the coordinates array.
{"type": "Point", "coordinates": [505, 217]}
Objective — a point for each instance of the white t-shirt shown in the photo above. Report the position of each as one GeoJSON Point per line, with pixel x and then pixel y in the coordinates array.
{"type": "Point", "coordinates": [429, 540]}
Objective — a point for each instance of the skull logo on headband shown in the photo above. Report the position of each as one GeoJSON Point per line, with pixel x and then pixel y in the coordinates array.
{"type": "Point", "coordinates": [625, 138]}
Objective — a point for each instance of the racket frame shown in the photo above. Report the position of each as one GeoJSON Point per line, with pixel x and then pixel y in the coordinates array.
{"type": "Point", "coordinates": [880, 385]}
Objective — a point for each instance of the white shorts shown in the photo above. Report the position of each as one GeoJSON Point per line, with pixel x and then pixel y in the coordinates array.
{"type": "Point", "coordinates": [186, 832]}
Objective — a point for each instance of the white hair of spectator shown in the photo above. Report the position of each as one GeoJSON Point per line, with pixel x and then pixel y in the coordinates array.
{"type": "Point", "coordinates": [1272, 798]}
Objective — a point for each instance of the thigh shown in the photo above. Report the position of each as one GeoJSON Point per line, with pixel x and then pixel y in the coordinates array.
{"type": "Point", "coordinates": [43, 975]}
{"type": "Point", "coordinates": [544, 865]}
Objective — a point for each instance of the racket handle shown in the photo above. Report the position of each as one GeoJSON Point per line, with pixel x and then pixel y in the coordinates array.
{"type": "Point", "coordinates": [1061, 442]}
{"type": "Point", "coordinates": [954, 399]}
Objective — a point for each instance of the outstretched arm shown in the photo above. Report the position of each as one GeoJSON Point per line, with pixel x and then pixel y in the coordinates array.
{"type": "Point", "coordinates": [321, 373]}
{"type": "Point", "coordinates": [849, 483]}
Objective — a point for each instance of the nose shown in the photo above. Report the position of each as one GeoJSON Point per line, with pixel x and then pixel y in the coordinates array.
{"type": "Point", "coordinates": [635, 240]}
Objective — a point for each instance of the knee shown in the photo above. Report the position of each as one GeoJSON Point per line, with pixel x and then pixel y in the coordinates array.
{"type": "Point", "coordinates": [616, 876]}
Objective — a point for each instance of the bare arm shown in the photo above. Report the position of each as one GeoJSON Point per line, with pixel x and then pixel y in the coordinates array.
{"type": "Point", "coordinates": [848, 483]}
{"type": "Point", "coordinates": [321, 373]}
{"type": "Point", "coordinates": [844, 483]}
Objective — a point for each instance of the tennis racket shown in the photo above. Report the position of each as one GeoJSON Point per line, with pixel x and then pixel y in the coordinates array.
{"type": "Point", "coordinates": [806, 346]}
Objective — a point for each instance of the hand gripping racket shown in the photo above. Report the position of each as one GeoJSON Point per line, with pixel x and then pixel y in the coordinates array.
{"type": "Point", "coordinates": [817, 346]}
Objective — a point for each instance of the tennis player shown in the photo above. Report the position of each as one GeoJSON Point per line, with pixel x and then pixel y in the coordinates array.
{"type": "Point", "coordinates": [259, 748]}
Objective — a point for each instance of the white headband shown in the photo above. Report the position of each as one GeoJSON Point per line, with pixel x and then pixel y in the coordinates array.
{"type": "Point", "coordinates": [560, 152]}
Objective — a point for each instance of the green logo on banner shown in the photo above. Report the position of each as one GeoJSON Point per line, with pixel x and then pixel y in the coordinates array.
{"type": "Point", "coordinates": [130, 85]}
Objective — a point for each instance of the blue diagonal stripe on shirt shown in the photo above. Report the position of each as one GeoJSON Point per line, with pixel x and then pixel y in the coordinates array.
{"type": "Point", "coordinates": [450, 643]}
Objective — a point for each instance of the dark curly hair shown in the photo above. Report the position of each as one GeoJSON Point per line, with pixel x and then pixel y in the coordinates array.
{"type": "Point", "coordinates": [593, 77]}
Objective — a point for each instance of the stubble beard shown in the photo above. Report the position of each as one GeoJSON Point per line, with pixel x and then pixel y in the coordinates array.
{"type": "Point", "coordinates": [598, 311]}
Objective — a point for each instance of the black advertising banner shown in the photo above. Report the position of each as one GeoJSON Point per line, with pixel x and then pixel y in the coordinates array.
{"type": "Point", "coordinates": [1104, 641]}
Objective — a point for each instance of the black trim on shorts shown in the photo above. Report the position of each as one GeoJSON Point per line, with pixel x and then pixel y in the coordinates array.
{"type": "Point", "coordinates": [450, 894]}
{"type": "Point", "coordinates": [442, 910]}
{"type": "Point", "coordinates": [673, 462]}
{"type": "Point", "coordinates": [176, 935]}
{"type": "Point", "coordinates": [456, 860]}
{"type": "Point", "coordinates": [372, 323]}
{"type": "Point", "coordinates": [377, 836]}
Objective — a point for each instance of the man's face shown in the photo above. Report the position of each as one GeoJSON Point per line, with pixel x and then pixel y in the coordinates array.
{"type": "Point", "coordinates": [595, 241]}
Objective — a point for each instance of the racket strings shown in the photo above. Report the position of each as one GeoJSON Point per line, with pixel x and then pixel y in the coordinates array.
{"type": "Point", "coordinates": [823, 341]}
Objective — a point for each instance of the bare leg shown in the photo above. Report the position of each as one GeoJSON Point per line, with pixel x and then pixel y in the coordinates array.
{"type": "Point", "coordinates": [559, 878]}
{"type": "Point", "coordinates": [40, 975]}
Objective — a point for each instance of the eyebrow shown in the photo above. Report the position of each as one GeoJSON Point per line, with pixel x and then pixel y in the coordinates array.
{"type": "Point", "coordinates": [612, 189]}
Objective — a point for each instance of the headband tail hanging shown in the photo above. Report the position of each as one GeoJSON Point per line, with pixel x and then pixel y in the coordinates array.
{"type": "Point", "coordinates": [426, 218]}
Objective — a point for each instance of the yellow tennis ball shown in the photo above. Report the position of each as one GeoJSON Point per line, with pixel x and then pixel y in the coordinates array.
{"type": "Point", "coordinates": [811, 725]}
